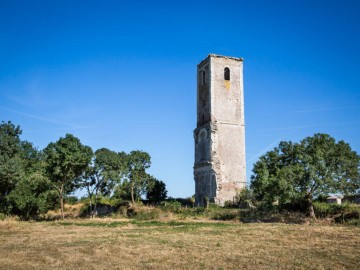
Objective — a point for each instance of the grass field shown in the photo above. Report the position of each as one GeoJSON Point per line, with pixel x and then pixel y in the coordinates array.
{"type": "Point", "coordinates": [125, 244]}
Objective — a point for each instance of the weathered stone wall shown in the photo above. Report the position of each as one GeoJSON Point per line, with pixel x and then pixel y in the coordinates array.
{"type": "Point", "coordinates": [203, 95]}
{"type": "Point", "coordinates": [226, 96]}
{"type": "Point", "coordinates": [219, 168]}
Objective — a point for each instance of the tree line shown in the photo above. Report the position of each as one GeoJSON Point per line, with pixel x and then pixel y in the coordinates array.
{"type": "Point", "coordinates": [290, 176]}
{"type": "Point", "coordinates": [33, 181]}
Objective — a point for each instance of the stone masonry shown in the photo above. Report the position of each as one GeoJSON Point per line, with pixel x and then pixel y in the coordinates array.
{"type": "Point", "coordinates": [219, 168]}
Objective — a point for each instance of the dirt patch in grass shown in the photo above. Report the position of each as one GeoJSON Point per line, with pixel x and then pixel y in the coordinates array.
{"type": "Point", "coordinates": [125, 244]}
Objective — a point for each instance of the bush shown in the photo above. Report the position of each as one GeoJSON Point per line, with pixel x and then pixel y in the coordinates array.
{"type": "Point", "coordinates": [230, 204]}
{"type": "Point", "coordinates": [114, 203]}
{"type": "Point", "coordinates": [172, 206]}
{"type": "Point", "coordinates": [189, 202]}
{"type": "Point", "coordinates": [324, 210]}
{"type": "Point", "coordinates": [31, 196]}
{"type": "Point", "coordinates": [298, 204]}
{"type": "Point", "coordinates": [225, 214]}
{"type": "Point", "coordinates": [2, 216]}
{"type": "Point", "coordinates": [342, 213]}
{"type": "Point", "coordinates": [355, 222]}
{"type": "Point", "coordinates": [251, 215]}
{"type": "Point", "coordinates": [146, 214]}
{"type": "Point", "coordinates": [71, 200]}
{"type": "Point", "coordinates": [141, 212]}
{"type": "Point", "coordinates": [350, 217]}
{"type": "Point", "coordinates": [246, 198]}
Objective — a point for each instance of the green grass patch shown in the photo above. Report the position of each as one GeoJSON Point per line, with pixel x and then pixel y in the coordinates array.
{"type": "Point", "coordinates": [152, 223]}
{"type": "Point", "coordinates": [94, 224]}
{"type": "Point", "coordinates": [181, 224]}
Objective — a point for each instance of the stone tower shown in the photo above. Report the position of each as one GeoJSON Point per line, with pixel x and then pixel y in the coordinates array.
{"type": "Point", "coordinates": [219, 168]}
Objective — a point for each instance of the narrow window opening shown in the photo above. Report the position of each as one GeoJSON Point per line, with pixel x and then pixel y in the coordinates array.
{"type": "Point", "coordinates": [203, 119]}
{"type": "Point", "coordinates": [226, 74]}
{"type": "Point", "coordinates": [203, 78]}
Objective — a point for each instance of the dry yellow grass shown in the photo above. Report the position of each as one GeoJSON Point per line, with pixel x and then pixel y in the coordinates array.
{"type": "Point", "coordinates": [122, 244]}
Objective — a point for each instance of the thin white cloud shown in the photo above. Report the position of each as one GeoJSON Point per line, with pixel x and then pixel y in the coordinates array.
{"type": "Point", "coordinates": [311, 126]}
{"type": "Point", "coordinates": [326, 109]}
{"type": "Point", "coordinates": [43, 119]}
{"type": "Point", "coordinates": [30, 101]}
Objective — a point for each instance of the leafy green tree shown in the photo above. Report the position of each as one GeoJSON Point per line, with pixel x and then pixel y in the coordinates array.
{"type": "Point", "coordinates": [103, 174]}
{"type": "Point", "coordinates": [123, 190]}
{"type": "Point", "coordinates": [317, 165]}
{"type": "Point", "coordinates": [10, 161]}
{"type": "Point", "coordinates": [156, 192]}
{"type": "Point", "coordinates": [25, 191]}
{"type": "Point", "coordinates": [32, 196]}
{"type": "Point", "coordinates": [137, 163]}
{"type": "Point", "coordinates": [66, 161]}
{"type": "Point", "coordinates": [33, 193]}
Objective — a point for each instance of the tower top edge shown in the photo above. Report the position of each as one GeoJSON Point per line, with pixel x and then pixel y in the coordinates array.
{"type": "Point", "coordinates": [212, 55]}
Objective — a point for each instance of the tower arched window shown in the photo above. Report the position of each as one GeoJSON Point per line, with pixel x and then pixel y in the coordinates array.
{"type": "Point", "coordinates": [226, 74]}
{"type": "Point", "coordinates": [203, 77]}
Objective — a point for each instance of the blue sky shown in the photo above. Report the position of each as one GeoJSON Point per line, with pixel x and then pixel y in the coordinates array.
{"type": "Point", "coordinates": [122, 75]}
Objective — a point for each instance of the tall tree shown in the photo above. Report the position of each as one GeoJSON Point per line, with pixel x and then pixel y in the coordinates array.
{"type": "Point", "coordinates": [102, 174]}
{"type": "Point", "coordinates": [66, 161]}
{"type": "Point", "coordinates": [33, 193]}
{"type": "Point", "coordinates": [156, 191]}
{"type": "Point", "coordinates": [24, 189]}
{"type": "Point", "coordinates": [138, 162]}
{"type": "Point", "coordinates": [316, 166]}
{"type": "Point", "coordinates": [10, 160]}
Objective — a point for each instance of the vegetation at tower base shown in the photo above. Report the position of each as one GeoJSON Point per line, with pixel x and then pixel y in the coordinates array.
{"type": "Point", "coordinates": [66, 160]}
{"type": "Point", "coordinates": [297, 173]}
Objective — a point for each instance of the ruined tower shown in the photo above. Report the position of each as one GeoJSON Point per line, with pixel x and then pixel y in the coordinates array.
{"type": "Point", "coordinates": [219, 168]}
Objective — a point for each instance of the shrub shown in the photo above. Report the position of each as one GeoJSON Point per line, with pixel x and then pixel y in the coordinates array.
{"type": "Point", "coordinates": [141, 212]}
{"type": "Point", "coordinates": [71, 200]}
{"type": "Point", "coordinates": [245, 198]}
{"type": "Point", "coordinates": [230, 204]}
{"type": "Point", "coordinates": [297, 204]}
{"type": "Point", "coordinates": [355, 222]}
{"type": "Point", "coordinates": [31, 196]}
{"type": "Point", "coordinates": [189, 202]}
{"type": "Point", "coordinates": [146, 214]}
{"type": "Point", "coordinates": [342, 213]}
{"type": "Point", "coordinates": [173, 206]}
{"type": "Point", "coordinates": [329, 210]}
{"type": "Point", "coordinates": [225, 214]}
{"type": "Point", "coordinates": [350, 217]}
